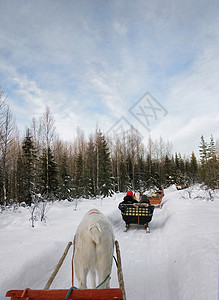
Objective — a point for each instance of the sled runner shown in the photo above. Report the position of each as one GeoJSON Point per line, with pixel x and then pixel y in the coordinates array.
{"type": "Point", "coordinates": [73, 293]}
{"type": "Point", "coordinates": [137, 213]}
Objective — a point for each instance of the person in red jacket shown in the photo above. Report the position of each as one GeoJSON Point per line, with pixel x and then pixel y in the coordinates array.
{"type": "Point", "coordinates": [128, 199]}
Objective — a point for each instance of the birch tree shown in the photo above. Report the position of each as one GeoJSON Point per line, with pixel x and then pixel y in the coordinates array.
{"type": "Point", "coordinates": [7, 136]}
{"type": "Point", "coordinates": [48, 131]}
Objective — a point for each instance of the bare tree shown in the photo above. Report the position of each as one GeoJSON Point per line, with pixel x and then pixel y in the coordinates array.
{"type": "Point", "coordinates": [36, 129]}
{"type": "Point", "coordinates": [7, 136]}
{"type": "Point", "coordinates": [80, 142]}
{"type": "Point", "coordinates": [217, 147]}
{"type": "Point", "coordinates": [2, 106]}
{"type": "Point", "coordinates": [47, 123]}
{"type": "Point", "coordinates": [48, 131]}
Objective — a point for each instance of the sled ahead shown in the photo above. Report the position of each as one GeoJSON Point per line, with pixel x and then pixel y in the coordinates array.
{"type": "Point", "coordinates": [73, 293]}
{"type": "Point", "coordinates": [182, 186]}
{"type": "Point", "coordinates": [137, 213]}
{"type": "Point", "coordinates": [156, 200]}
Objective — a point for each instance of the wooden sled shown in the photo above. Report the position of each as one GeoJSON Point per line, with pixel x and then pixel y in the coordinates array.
{"type": "Point", "coordinates": [156, 200]}
{"type": "Point", "coordinates": [137, 213]}
{"type": "Point", "coordinates": [72, 293]}
{"type": "Point", "coordinates": [89, 294]}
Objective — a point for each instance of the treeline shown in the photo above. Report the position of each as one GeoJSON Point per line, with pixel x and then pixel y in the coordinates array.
{"type": "Point", "coordinates": [41, 164]}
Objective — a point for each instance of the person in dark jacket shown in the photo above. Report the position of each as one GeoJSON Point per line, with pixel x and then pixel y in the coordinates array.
{"type": "Point", "coordinates": [144, 199]}
{"type": "Point", "coordinates": [128, 199]}
{"type": "Point", "coordinates": [160, 191]}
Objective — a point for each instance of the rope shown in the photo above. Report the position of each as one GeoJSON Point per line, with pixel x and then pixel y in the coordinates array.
{"type": "Point", "coordinates": [103, 281]}
{"type": "Point", "coordinates": [70, 290]}
{"type": "Point", "coordinates": [75, 288]}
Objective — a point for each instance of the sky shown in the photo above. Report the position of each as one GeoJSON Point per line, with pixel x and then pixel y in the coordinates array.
{"type": "Point", "coordinates": [153, 65]}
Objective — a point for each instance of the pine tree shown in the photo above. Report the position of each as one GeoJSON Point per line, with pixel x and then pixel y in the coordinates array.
{"type": "Point", "coordinates": [193, 168]}
{"type": "Point", "coordinates": [123, 178]}
{"type": "Point", "coordinates": [20, 175]}
{"type": "Point", "coordinates": [203, 150]}
{"type": "Point", "coordinates": [91, 168]}
{"type": "Point", "coordinates": [211, 149]}
{"type": "Point", "coordinates": [212, 179]}
{"type": "Point", "coordinates": [212, 174]}
{"type": "Point", "coordinates": [27, 169]}
{"type": "Point", "coordinates": [88, 184]}
{"type": "Point", "coordinates": [182, 165]}
{"type": "Point", "coordinates": [104, 171]}
{"type": "Point", "coordinates": [79, 177]}
{"type": "Point", "coordinates": [208, 172]}
{"type": "Point", "coordinates": [140, 177]}
{"type": "Point", "coordinates": [176, 171]}
{"type": "Point", "coordinates": [64, 178]}
{"type": "Point", "coordinates": [48, 173]}
{"type": "Point", "coordinates": [168, 171]}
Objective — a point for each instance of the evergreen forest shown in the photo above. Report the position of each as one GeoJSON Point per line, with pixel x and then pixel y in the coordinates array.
{"type": "Point", "coordinates": [40, 164]}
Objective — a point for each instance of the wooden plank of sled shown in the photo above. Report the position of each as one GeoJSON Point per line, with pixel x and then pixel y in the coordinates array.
{"type": "Point", "coordinates": [88, 294]}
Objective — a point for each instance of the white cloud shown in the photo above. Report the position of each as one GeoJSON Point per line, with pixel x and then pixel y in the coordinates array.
{"type": "Point", "coordinates": [91, 65]}
{"type": "Point", "coordinates": [120, 28]}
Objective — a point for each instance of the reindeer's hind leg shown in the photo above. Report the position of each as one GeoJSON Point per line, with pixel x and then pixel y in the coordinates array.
{"type": "Point", "coordinates": [102, 277]}
{"type": "Point", "coordinates": [81, 276]}
{"type": "Point", "coordinates": [104, 269]}
{"type": "Point", "coordinates": [93, 278]}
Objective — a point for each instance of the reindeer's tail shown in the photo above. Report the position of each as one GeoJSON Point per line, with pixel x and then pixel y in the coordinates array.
{"type": "Point", "coordinates": [95, 230]}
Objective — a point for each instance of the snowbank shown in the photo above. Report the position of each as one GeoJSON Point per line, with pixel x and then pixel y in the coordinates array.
{"type": "Point", "coordinates": [177, 260]}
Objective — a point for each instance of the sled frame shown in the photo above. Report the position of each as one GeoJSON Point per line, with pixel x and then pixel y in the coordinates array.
{"type": "Point", "coordinates": [76, 294]}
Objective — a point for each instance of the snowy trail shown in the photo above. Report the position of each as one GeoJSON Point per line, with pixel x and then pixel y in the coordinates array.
{"type": "Point", "coordinates": [145, 260]}
{"type": "Point", "coordinates": [178, 259]}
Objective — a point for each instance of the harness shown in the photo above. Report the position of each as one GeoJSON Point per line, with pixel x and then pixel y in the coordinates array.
{"type": "Point", "coordinates": [94, 212]}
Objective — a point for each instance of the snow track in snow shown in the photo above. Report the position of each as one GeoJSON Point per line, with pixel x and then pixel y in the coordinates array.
{"type": "Point", "coordinates": [145, 259]}
{"type": "Point", "coordinates": [178, 259]}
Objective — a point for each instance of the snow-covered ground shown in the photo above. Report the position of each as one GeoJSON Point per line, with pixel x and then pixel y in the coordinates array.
{"type": "Point", "coordinates": [178, 260]}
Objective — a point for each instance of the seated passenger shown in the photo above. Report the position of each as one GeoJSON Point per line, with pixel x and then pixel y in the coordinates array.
{"type": "Point", "coordinates": [128, 199]}
{"type": "Point", "coordinates": [160, 191]}
{"type": "Point", "coordinates": [144, 199]}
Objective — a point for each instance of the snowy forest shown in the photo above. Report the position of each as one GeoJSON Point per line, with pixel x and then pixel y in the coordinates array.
{"type": "Point", "coordinates": [41, 165]}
